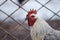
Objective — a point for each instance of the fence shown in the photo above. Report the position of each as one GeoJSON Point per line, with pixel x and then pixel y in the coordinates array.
{"type": "Point", "coordinates": [13, 13]}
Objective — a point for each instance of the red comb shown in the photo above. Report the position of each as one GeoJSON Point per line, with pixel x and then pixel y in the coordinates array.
{"type": "Point", "coordinates": [31, 12]}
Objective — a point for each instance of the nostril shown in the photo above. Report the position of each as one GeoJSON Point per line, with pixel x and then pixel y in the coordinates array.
{"type": "Point", "coordinates": [20, 1]}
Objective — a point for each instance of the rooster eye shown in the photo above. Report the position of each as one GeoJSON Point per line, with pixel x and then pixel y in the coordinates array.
{"type": "Point", "coordinates": [32, 16]}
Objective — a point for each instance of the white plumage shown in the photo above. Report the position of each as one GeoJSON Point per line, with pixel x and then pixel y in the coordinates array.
{"type": "Point", "coordinates": [41, 29]}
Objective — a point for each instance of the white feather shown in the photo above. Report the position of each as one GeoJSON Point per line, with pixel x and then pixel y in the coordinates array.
{"type": "Point", "coordinates": [40, 29]}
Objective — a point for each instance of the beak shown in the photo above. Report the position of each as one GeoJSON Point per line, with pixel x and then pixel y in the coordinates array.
{"type": "Point", "coordinates": [24, 20]}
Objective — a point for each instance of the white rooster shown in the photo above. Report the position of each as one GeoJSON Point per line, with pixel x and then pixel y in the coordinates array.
{"type": "Point", "coordinates": [40, 29]}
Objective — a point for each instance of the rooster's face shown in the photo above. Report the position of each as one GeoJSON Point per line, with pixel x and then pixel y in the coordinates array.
{"type": "Point", "coordinates": [31, 17]}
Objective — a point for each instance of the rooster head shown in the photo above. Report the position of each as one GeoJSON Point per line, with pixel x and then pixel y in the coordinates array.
{"type": "Point", "coordinates": [31, 17]}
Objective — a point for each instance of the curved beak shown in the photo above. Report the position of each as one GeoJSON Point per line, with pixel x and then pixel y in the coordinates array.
{"type": "Point", "coordinates": [25, 18]}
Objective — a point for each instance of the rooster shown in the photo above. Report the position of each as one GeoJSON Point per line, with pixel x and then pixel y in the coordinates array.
{"type": "Point", "coordinates": [40, 29]}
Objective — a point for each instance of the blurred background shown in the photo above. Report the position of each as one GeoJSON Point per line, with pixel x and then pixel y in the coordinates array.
{"type": "Point", "coordinates": [13, 14]}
